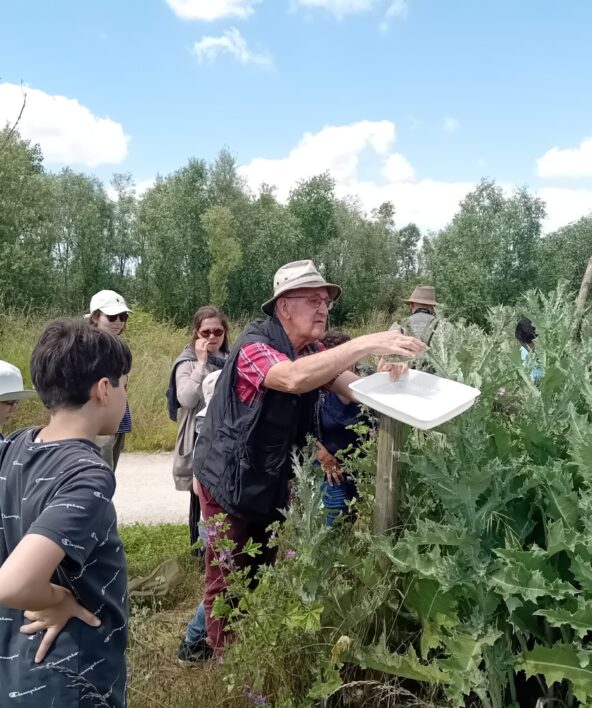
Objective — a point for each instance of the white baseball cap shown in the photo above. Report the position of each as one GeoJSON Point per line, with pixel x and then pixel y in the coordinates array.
{"type": "Point", "coordinates": [109, 302]}
{"type": "Point", "coordinates": [207, 388]}
{"type": "Point", "coordinates": [11, 384]}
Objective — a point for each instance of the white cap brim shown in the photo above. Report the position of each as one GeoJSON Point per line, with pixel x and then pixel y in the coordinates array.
{"type": "Point", "coordinates": [18, 395]}
{"type": "Point", "coordinates": [111, 310]}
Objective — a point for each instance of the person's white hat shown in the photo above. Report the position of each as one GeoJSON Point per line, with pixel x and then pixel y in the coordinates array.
{"type": "Point", "coordinates": [109, 302]}
{"type": "Point", "coordinates": [207, 388]}
{"type": "Point", "coordinates": [11, 384]}
{"type": "Point", "coordinates": [298, 274]}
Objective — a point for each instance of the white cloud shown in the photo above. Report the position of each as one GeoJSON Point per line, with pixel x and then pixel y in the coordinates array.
{"type": "Point", "coordinates": [571, 162]}
{"type": "Point", "coordinates": [336, 149]}
{"type": "Point", "coordinates": [339, 149]}
{"type": "Point", "coordinates": [429, 203]}
{"type": "Point", "coordinates": [230, 42]}
{"type": "Point", "coordinates": [397, 168]}
{"type": "Point", "coordinates": [451, 124]}
{"type": "Point", "coordinates": [398, 9]}
{"type": "Point", "coordinates": [341, 7]}
{"type": "Point", "coordinates": [67, 131]}
{"type": "Point", "coordinates": [565, 205]}
{"type": "Point", "coordinates": [212, 9]}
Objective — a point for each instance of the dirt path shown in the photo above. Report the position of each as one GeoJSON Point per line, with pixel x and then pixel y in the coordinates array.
{"type": "Point", "coordinates": [145, 490]}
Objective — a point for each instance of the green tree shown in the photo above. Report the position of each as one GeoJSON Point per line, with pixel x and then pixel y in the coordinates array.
{"type": "Point", "coordinates": [27, 230]}
{"type": "Point", "coordinates": [82, 217]}
{"type": "Point", "coordinates": [565, 254]}
{"type": "Point", "coordinates": [174, 258]}
{"type": "Point", "coordinates": [272, 239]}
{"type": "Point", "coordinates": [313, 204]}
{"type": "Point", "coordinates": [488, 254]}
{"type": "Point", "coordinates": [220, 232]}
{"type": "Point", "coordinates": [124, 243]}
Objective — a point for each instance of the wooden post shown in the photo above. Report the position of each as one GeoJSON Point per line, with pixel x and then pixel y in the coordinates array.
{"type": "Point", "coordinates": [582, 297]}
{"type": "Point", "coordinates": [386, 502]}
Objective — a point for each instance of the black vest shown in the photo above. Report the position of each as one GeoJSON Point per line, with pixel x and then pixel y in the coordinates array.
{"type": "Point", "coordinates": [243, 453]}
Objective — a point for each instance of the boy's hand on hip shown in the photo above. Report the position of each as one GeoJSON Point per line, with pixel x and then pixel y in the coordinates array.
{"type": "Point", "coordinates": [53, 619]}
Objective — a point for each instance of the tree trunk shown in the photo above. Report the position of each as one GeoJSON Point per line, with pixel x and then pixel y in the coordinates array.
{"type": "Point", "coordinates": [582, 297]}
{"type": "Point", "coordinates": [390, 435]}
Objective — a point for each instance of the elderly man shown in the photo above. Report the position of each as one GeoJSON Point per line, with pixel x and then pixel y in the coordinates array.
{"type": "Point", "coordinates": [422, 322]}
{"type": "Point", "coordinates": [263, 405]}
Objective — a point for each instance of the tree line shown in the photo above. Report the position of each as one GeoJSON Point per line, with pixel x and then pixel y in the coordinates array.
{"type": "Point", "coordinates": [200, 235]}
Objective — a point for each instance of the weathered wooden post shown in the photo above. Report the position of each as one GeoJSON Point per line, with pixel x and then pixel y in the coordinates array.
{"type": "Point", "coordinates": [582, 297]}
{"type": "Point", "coordinates": [386, 503]}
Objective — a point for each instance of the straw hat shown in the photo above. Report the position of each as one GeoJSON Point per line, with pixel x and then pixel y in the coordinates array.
{"type": "Point", "coordinates": [423, 295]}
{"type": "Point", "coordinates": [298, 274]}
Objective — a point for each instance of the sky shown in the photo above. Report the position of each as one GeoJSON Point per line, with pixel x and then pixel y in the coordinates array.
{"type": "Point", "coordinates": [412, 101]}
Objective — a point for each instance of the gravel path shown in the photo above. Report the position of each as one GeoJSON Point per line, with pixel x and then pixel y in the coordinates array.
{"type": "Point", "coordinates": [146, 492]}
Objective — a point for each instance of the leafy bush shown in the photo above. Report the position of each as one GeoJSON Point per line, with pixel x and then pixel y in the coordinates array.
{"type": "Point", "coordinates": [489, 579]}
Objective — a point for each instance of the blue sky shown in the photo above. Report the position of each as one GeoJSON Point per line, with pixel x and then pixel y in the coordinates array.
{"type": "Point", "coordinates": [411, 100]}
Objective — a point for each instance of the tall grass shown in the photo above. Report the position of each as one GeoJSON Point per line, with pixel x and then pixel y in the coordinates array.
{"type": "Point", "coordinates": [154, 345]}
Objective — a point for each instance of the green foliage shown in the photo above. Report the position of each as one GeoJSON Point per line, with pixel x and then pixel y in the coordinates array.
{"type": "Point", "coordinates": [199, 235]}
{"type": "Point", "coordinates": [488, 580]}
{"type": "Point", "coordinates": [488, 254]}
{"type": "Point", "coordinates": [220, 231]}
{"type": "Point", "coordinates": [565, 254]}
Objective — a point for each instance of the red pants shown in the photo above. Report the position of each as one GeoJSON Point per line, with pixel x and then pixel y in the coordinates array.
{"type": "Point", "coordinates": [215, 581]}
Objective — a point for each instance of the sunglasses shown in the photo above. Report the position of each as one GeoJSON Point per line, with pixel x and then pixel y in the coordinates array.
{"type": "Point", "coordinates": [122, 317]}
{"type": "Point", "coordinates": [10, 404]}
{"type": "Point", "coordinates": [207, 333]}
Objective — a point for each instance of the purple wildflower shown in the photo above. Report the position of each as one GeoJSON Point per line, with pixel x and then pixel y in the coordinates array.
{"type": "Point", "coordinates": [290, 553]}
{"type": "Point", "coordinates": [225, 559]}
{"type": "Point", "coordinates": [257, 699]}
{"type": "Point", "coordinates": [212, 530]}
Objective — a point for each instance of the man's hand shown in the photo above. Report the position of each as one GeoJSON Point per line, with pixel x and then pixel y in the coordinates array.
{"type": "Point", "coordinates": [395, 370]}
{"type": "Point", "coordinates": [201, 350]}
{"type": "Point", "coordinates": [330, 465]}
{"type": "Point", "coordinates": [53, 619]}
{"type": "Point", "coordinates": [392, 342]}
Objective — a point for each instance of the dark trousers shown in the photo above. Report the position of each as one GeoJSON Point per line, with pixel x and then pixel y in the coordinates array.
{"type": "Point", "coordinates": [194, 515]}
{"type": "Point", "coordinates": [215, 582]}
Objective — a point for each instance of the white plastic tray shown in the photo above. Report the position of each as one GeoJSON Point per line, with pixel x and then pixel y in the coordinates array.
{"type": "Point", "coordinates": [418, 399]}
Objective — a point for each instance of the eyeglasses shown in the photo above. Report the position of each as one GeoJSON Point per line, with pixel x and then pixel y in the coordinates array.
{"type": "Point", "coordinates": [122, 317]}
{"type": "Point", "coordinates": [207, 333]}
{"type": "Point", "coordinates": [315, 301]}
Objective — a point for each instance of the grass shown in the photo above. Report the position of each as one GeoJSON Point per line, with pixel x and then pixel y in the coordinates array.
{"type": "Point", "coordinates": [155, 630]}
{"type": "Point", "coordinates": [154, 346]}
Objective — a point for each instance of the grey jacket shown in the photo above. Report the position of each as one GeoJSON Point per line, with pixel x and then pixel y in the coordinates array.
{"type": "Point", "coordinates": [420, 325]}
{"type": "Point", "coordinates": [188, 378]}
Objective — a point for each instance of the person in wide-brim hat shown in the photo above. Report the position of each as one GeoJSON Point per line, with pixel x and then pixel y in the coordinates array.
{"type": "Point", "coordinates": [297, 275]}
{"type": "Point", "coordinates": [423, 295]}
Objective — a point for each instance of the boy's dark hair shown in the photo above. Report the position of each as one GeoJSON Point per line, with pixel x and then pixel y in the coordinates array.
{"type": "Point", "coordinates": [525, 332]}
{"type": "Point", "coordinates": [70, 357]}
{"type": "Point", "coordinates": [334, 337]}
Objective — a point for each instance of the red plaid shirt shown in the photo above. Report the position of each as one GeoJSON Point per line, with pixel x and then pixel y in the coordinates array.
{"type": "Point", "coordinates": [254, 362]}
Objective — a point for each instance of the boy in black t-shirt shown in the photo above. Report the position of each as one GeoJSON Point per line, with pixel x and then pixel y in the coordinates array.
{"type": "Point", "coordinates": [62, 565]}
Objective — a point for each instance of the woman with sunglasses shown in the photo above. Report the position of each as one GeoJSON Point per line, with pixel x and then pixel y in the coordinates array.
{"type": "Point", "coordinates": [206, 352]}
{"type": "Point", "coordinates": [109, 313]}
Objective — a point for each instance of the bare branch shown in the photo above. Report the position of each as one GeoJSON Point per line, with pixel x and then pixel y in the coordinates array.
{"type": "Point", "coordinates": [17, 121]}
